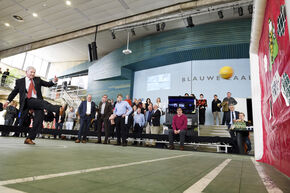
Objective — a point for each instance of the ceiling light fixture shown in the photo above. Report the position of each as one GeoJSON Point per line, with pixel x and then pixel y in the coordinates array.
{"type": "Point", "coordinates": [221, 15]}
{"type": "Point", "coordinates": [34, 14]}
{"type": "Point", "coordinates": [68, 3]}
{"type": "Point", "coordinates": [163, 26]}
{"type": "Point", "coordinates": [7, 24]}
{"type": "Point", "coordinates": [18, 18]}
{"type": "Point", "coordinates": [127, 51]}
{"type": "Point", "coordinates": [240, 11]}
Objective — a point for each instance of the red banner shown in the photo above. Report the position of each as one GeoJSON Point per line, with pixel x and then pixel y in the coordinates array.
{"type": "Point", "coordinates": [274, 75]}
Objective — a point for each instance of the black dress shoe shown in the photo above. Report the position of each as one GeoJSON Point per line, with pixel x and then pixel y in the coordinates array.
{"type": "Point", "coordinates": [29, 142]}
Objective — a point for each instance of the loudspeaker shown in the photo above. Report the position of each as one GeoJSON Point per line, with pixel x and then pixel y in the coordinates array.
{"type": "Point", "coordinates": [90, 52]}
{"type": "Point", "coordinates": [94, 51]}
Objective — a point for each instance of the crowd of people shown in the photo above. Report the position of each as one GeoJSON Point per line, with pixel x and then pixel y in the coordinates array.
{"type": "Point", "coordinates": [111, 117]}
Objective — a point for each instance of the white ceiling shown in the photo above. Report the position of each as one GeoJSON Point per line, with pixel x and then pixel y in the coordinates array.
{"type": "Point", "coordinates": [56, 18]}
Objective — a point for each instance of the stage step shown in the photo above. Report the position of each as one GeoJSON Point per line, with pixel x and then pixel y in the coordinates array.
{"type": "Point", "coordinates": [214, 130]}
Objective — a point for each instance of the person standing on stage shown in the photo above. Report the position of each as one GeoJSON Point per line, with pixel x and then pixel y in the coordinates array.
{"type": "Point", "coordinates": [86, 111]}
{"type": "Point", "coordinates": [201, 104]}
{"type": "Point", "coordinates": [216, 109]}
{"type": "Point", "coordinates": [30, 97]}
{"type": "Point", "coordinates": [227, 101]}
{"type": "Point", "coordinates": [105, 111]}
{"type": "Point", "coordinates": [122, 109]}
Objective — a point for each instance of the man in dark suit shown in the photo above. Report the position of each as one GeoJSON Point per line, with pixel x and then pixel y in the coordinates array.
{"type": "Point", "coordinates": [155, 129]}
{"type": "Point", "coordinates": [230, 117]}
{"type": "Point", "coordinates": [105, 111]}
{"type": "Point", "coordinates": [86, 111]}
{"type": "Point", "coordinates": [29, 89]}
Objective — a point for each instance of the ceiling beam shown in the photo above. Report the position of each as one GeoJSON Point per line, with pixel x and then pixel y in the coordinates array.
{"type": "Point", "coordinates": [106, 26]}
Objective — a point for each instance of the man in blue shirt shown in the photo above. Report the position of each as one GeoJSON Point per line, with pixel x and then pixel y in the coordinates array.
{"type": "Point", "coordinates": [122, 109]}
{"type": "Point", "coordinates": [139, 122]}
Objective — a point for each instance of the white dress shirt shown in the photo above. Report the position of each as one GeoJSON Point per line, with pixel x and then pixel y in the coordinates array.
{"type": "Point", "coordinates": [27, 84]}
{"type": "Point", "coordinates": [103, 108]}
{"type": "Point", "coordinates": [232, 113]}
{"type": "Point", "coordinates": [89, 106]}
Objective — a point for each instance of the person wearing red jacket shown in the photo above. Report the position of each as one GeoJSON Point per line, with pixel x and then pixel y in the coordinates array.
{"type": "Point", "coordinates": [179, 127]}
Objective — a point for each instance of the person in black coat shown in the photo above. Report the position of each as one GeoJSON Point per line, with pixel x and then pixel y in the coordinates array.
{"type": "Point", "coordinates": [105, 111]}
{"type": "Point", "coordinates": [155, 129]}
{"type": "Point", "coordinates": [4, 76]}
{"type": "Point", "coordinates": [230, 117]}
{"type": "Point", "coordinates": [30, 97]}
{"type": "Point", "coordinates": [59, 120]}
{"type": "Point", "coordinates": [216, 109]}
{"type": "Point", "coordinates": [86, 112]}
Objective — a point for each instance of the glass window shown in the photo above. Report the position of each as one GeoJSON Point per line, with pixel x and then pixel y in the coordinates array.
{"type": "Point", "coordinates": [80, 81]}
{"type": "Point", "coordinates": [18, 60]}
{"type": "Point", "coordinates": [7, 60]}
{"type": "Point", "coordinates": [37, 64]}
{"type": "Point", "coordinates": [28, 61]}
{"type": "Point", "coordinates": [43, 69]}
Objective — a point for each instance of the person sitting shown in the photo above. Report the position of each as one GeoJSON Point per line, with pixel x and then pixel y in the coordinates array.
{"type": "Point", "coordinates": [179, 127]}
{"type": "Point", "coordinates": [246, 134]}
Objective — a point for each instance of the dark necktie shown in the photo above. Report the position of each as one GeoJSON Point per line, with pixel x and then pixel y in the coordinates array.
{"type": "Point", "coordinates": [232, 116]}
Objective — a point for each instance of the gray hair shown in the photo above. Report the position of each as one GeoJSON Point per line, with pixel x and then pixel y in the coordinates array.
{"type": "Point", "coordinates": [29, 68]}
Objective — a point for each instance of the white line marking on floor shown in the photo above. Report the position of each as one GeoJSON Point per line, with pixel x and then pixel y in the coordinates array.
{"type": "Point", "coordinates": [9, 190]}
{"type": "Point", "coordinates": [201, 184]}
{"type": "Point", "coordinates": [35, 178]}
{"type": "Point", "coordinates": [269, 184]}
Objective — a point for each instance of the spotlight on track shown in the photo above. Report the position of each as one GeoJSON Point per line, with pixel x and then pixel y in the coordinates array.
{"type": "Point", "coordinates": [157, 27]}
{"type": "Point", "coordinates": [220, 14]}
{"type": "Point", "coordinates": [250, 9]}
{"type": "Point", "coordinates": [163, 26]}
{"type": "Point", "coordinates": [133, 32]}
{"type": "Point", "coordinates": [240, 11]}
{"type": "Point", "coordinates": [189, 22]}
{"type": "Point", "coordinates": [113, 35]}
